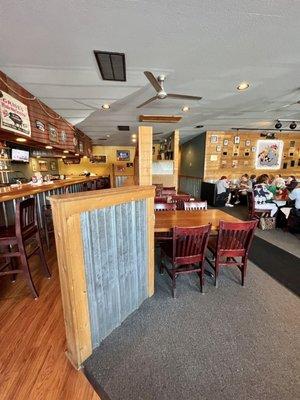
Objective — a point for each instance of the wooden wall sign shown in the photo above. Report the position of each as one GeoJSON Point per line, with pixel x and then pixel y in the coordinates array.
{"type": "Point", "coordinates": [14, 115]}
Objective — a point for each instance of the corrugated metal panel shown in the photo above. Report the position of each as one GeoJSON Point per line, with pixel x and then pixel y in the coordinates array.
{"type": "Point", "coordinates": [191, 186]}
{"type": "Point", "coordinates": [115, 253]}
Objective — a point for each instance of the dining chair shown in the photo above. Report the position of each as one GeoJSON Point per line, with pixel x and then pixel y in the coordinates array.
{"type": "Point", "coordinates": [179, 200]}
{"type": "Point", "coordinates": [186, 253]}
{"type": "Point", "coordinates": [195, 205]}
{"type": "Point", "coordinates": [14, 238]}
{"type": "Point", "coordinates": [164, 207]}
{"type": "Point", "coordinates": [168, 191]}
{"type": "Point", "coordinates": [254, 213]}
{"type": "Point", "coordinates": [161, 199]}
{"type": "Point", "coordinates": [234, 240]}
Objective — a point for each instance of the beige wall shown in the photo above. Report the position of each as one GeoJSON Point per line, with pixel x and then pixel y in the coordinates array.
{"type": "Point", "coordinates": [217, 164]}
{"type": "Point", "coordinates": [100, 169]}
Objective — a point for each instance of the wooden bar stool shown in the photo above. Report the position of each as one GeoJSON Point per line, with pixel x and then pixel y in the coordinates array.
{"type": "Point", "coordinates": [13, 240]}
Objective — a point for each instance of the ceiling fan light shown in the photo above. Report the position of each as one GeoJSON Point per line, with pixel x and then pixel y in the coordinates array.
{"type": "Point", "coordinates": [185, 108]}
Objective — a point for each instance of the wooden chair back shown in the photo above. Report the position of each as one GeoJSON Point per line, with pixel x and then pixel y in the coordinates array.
{"type": "Point", "coordinates": [235, 238]}
{"type": "Point", "coordinates": [189, 244]}
{"type": "Point", "coordinates": [160, 199]}
{"type": "Point", "coordinates": [195, 205]}
{"type": "Point", "coordinates": [26, 217]}
{"type": "Point", "coordinates": [164, 207]}
{"type": "Point", "coordinates": [180, 199]}
{"type": "Point", "coordinates": [252, 212]}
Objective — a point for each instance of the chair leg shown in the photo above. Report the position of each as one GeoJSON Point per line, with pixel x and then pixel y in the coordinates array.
{"type": "Point", "coordinates": [217, 270]}
{"type": "Point", "coordinates": [42, 256]}
{"type": "Point", "coordinates": [201, 276]}
{"type": "Point", "coordinates": [244, 270]}
{"type": "Point", "coordinates": [174, 285]}
{"type": "Point", "coordinates": [27, 273]}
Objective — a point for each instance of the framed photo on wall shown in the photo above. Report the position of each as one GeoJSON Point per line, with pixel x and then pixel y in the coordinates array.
{"type": "Point", "coordinates": [43, 166]}
{"type": "Point", "coordinates": [236, 140]}
{"type": "Point", "coordinates": [52, 165]}
{"type": "Point", "coordinates": [218, 147]}
{"type": "Point", "coordinates": [268, 154]}
{"type": "Point", "coordinates": [99, 159]}
{"type": "Point", "coordinates": [52, 133]}
{"type": "Point", "coordinates": [247, 143]}
{"type": "Point", "coordinates": [214, 139]}
{"type": "Point", "coordinates": [225, 142]}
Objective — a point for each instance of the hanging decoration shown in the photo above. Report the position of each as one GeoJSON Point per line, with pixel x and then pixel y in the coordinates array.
{"type": "Point", "coordinates": [14, 115]}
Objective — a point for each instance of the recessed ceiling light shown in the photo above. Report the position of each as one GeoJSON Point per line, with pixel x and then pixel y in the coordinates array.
{"type": "Point", "coordinates": [134, 140]}
{"type": "Point", "coordinates": [107, 135]}
{"type": "Point", "coordinates": [38, 156]}
{"type": "Point", "coordinates": [84, 156]}
{"type": "Point", "coordinates": [20, 139]}
{"type": "Point", "coordinates": [66, 151]}
{"type": "Point", "coordinates": [76, 154]}
{"type": "Point", "coordinates": [105, 106]}
{"type": "Point", "coordinates": [133, 135]}
{"type": "Point", "coordinates": [243, 86]}
{"type": "Point", "coordinates": [185, 108]}
{"type": "Point", "coordinates": [48, 147]}
{"type": "Point", "coordinates": [64, 157]}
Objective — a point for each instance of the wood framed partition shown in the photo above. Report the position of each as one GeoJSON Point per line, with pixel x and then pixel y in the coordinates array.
{"type": "Point", "coordinates": [81, 221]}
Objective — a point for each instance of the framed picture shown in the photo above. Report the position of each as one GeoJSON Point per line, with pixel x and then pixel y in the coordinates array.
{"type": "Point", "coordinates": [43, 166]}
{"type": "Point", "coordinates": [123, 155]}
{"type": "Point", "coordinates": [247, 143]}
{"type": "Point", "coordinates": [52, 165]}
{"type": "Point", "coordinates": [40, 125]}
{"type": "Point", "coordinates": [253, 149]}
{"type": "Point", "coordinates": [214, 139]}
{"type": "Point", "coordinates": [63, 136]}
{"type": "Point", "coordinates": [52, 133]}
{"type": "Point", "coordinates": [236, 140]}
{"type": "Point", "coordinates": [218, 147]}
{"type": "Point", "coordinates": [292, 143]}
{"type": "Point", "coordinates": [225, 142]}
{"type": "Point", "coordinates": [34, 164]}
{"type": "Point", "coordinates": [268, 154]}
{"type": "Point", "coordinates": [99, 159]}
{"type": "Point", "coordinates": [80, 146]}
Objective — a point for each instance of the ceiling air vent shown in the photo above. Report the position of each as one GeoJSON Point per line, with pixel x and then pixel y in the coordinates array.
{"type": "Point", "coordinates": [112, 65]}
{"type": "Point", "coordinates": [123, 127]}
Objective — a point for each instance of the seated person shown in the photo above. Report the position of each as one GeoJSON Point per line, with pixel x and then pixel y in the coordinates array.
{"type": "Point", "coordinates": [291, 182]}
{"type": "Point", "coordinates": [223, 194]}
{"type": "Point", "coordinates": [253, 180]}
{"type": "Point", "coordinates": [262, 195]}
{"type": "Point", "coordinates": [244, 186]}
{"type": "Point", "coordinates": [293, 218]}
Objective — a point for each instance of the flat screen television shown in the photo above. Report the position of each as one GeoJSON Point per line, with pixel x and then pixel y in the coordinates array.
{"type": "Point", "coordinates": [123, 155]}
{"type": "Point", "coordinates": [20, 155]}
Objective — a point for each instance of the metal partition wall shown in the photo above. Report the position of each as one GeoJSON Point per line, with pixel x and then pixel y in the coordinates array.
{"type": "Point", "coordinates": [190, 185]}
{"type": "Point", "coordinates": [105, 250]}
{"type": "Point", "coordinates": [115, 255]}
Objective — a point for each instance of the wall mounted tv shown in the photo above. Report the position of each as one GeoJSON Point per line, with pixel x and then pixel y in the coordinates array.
{"type": "Point", "coordinates": [19, 155]}
{"type": "Point", "coordinates": [123, 155]}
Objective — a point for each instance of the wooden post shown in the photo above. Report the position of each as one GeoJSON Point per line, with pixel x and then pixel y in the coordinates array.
{"type": "Point", "coordinates": [176, 156]}
{"type": "Point", "coordinates": [145, 155]}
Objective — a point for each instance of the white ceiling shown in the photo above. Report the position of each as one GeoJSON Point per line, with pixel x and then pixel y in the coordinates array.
{"type": "Point", "coordinates": [205, 48]}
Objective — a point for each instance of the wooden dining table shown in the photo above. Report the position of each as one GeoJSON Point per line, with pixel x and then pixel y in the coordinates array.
{"type": "Point", "coordinates": [166, 220]}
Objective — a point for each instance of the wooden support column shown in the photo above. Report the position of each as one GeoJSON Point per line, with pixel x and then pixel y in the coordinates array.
{"type": "Point", "coordinates": [145, 155]}
{"type": "Point", "coordinates": [176, 156]}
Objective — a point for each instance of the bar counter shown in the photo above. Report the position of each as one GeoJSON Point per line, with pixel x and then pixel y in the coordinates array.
{"type": "Point", "coordinates": [41, 192]}
{"type": "Point", "coordinates": [26, 189]}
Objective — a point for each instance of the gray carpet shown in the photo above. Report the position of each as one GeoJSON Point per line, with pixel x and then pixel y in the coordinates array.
{"type": "Point", "coordinates": [232, 343]}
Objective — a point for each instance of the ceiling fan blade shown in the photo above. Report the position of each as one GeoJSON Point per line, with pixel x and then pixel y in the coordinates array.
{"type": "Point", "coordinates": [154, 82]}
{"type": "Point", "coordinates": [147, 102]}
{"type": "Point", "coordinates": [183, 96]}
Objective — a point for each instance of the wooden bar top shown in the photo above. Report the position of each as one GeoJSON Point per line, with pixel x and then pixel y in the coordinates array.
{"type": "Point", "coordinates": [27, 189]}
{"type": "Point", "coordinates": [166, 220]}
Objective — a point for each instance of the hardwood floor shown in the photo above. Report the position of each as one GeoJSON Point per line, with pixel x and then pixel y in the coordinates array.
{"type": "Point", "coordinates": [33, 364]}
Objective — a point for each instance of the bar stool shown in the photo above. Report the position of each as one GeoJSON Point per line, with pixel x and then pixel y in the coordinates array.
{"type": "Point", "coordinates": [13, 239]}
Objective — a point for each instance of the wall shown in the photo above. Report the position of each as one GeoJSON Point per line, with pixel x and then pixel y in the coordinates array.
{"type": "Point", "coordinates": [192, 157]}
{"type": "Point", "coordinates": [217, 164]}
{"type": "Point", "coordinates": [100, 169]}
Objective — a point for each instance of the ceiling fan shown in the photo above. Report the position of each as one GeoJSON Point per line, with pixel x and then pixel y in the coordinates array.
{"type": "Point", "coordinates": [158, 85]}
